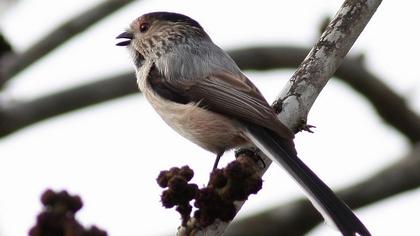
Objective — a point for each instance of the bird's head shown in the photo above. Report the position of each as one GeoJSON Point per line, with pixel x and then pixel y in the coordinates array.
{"type": "Point", "coordinates": [152, 35]}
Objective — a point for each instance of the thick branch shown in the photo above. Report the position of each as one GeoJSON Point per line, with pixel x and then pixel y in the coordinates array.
{"type": "Point", "coordinates": [314, 72]}
{"type": "Point", "coordinates": [298, 217]}
{"type": "Point", "coordinates": [14, 63]}
{"type": "Point", "coordinates": [324, 59]}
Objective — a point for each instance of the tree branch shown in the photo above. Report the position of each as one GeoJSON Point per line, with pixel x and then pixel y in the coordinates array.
{"type": "Point", "coordinates": [298, 217]}
{"type": "Point", "coordinates": [323, 60]}
{"type": "Point", "coordinates": [352, 72]}
{"type": "Point", "coordinates": [390, 106]}
{"type": "Point", "coordinates": [312, 75]}
{"type": "Point", "coordinates": [15, 63]}
{"type": "Point", "coordinates": [16, 116]}
{"type": "Point", "coordinates": [4, 46]}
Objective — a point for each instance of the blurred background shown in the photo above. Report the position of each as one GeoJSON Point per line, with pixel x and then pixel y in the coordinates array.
{"type": "Point", "coordinates": [111, 153]}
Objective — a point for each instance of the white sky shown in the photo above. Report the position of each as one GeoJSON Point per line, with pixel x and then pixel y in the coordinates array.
{"type": "Point", "coordinates": [111, 154]}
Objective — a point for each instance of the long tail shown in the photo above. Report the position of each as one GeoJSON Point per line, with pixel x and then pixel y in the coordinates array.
{"type": "Point", "coordinates": [321, 196]}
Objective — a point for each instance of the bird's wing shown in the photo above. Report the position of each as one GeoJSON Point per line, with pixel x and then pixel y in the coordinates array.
{"type": "Point", "coordinates": [224, 93]}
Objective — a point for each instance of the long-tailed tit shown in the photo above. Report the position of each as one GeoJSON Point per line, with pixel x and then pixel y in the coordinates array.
{"type": "Point", "coordinates": [201, 93]}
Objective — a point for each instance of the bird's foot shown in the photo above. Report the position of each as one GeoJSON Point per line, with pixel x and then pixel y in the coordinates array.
{"type": "Point", "coordinates": [253, 153]}
{"type": "Point", "coordinates": [305, 127]}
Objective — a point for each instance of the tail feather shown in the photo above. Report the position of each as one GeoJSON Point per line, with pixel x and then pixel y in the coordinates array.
{"type": "Point", "coordinates": [322, 197]}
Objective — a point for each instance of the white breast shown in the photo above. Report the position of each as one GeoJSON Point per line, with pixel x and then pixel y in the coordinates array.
{"type": "Point", "coordinates": [208, 129]}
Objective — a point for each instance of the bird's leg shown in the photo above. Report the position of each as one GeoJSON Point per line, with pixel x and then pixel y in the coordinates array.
{"type": "Point", "coordinates": [216, 162]}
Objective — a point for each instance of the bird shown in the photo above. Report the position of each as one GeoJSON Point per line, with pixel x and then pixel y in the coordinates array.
{"type": "Point", "coordinates": [200, 92]}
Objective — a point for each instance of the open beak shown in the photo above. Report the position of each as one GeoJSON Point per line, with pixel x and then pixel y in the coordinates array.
{"type": "Point", "coordinates": [125, 35]}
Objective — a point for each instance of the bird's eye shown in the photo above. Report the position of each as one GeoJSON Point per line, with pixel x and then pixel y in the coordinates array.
{"type": "Point", "coordinates": [144, 27]}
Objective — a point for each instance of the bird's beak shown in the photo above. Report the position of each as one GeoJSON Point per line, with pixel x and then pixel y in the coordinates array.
{"type": "Point", "coordinates": [125, 35]}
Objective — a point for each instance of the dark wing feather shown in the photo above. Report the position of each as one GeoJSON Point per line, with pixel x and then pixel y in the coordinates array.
{"type": "Point", "coordinates": [223, 93]}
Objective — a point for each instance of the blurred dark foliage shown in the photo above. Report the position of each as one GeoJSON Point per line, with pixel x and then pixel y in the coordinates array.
{"type": "Point", "coordinates": [58, 217]}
